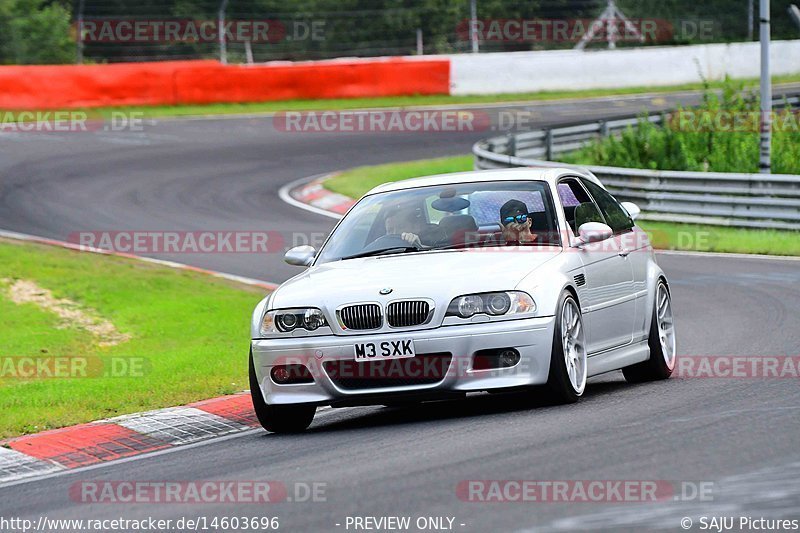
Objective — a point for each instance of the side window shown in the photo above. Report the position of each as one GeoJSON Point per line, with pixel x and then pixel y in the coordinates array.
{"type": "Point", "coordinates": [578, 206]}
{"type": "Point", "coordinates": [616, 216]}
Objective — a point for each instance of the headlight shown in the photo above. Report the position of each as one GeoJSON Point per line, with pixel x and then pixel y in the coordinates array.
{"type": "Point", "coordinates": [492, 304]}
{"type": "Point", "coordinates": [288, 320]}
{"type": "Point", "coordinates": [466, 306]}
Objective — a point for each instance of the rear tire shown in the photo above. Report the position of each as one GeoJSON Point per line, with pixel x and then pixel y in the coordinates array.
{"type": "Point", "coordinates": [568, 365]}
{"type": "Point", "coordinates": [278, 418]}
{"type": "Point", "coordinates": [661, 341]}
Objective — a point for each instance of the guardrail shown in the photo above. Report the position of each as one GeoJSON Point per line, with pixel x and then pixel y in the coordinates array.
{"type": "Point", "coordinates": [716, 198]}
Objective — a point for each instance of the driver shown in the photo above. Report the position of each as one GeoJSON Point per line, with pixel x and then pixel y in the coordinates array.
{"type": "Point", "coordinates": [404, 224]}
{"type": "Point", "coordinates": [515, 223]}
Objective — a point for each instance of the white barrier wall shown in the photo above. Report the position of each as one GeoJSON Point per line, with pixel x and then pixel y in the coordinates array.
{"type": "Point", "coordinates": [516, 72]}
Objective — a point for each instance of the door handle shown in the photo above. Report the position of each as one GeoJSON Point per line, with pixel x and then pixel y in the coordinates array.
{"type": "Point", "coordinates": [624, 253]}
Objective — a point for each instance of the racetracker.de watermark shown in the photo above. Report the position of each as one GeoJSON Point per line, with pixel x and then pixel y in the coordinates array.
{"type": "Point", "coordinates": [259, 242]}
{"type": "Point", "coordinates": [180, 242]}
{"type": "Point", "coordinates": [583, 491]}
{"type": "Point", "coordinates": [391, 121]}
{"type": "Point", "coordinates": [389, 362]}
{"type": "Point", "coordinates": [737, 366]}
{"type": "Point", "coordinates": [196, 492]}
{"type": "Point", "coordinates": [73, 367]}
{"type": "Point", "coordinates": [563, 30]}
{"type": "Point", "coordinates": [724, 121]}
{"type": "Point", "coordinates": [258, 31]}
{"type": "Point", "coordinates": [70, 121]}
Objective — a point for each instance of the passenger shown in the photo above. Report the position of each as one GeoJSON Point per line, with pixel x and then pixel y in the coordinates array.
{"type": "Point", "coordinates": [516, 223]}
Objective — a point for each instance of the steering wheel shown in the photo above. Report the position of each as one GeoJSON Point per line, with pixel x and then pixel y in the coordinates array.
{"type": "Point", "coordinates": [387, 241]}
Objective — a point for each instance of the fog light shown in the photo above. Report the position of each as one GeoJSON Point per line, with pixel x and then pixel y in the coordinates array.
{"type": "Point", "coordinates": [280, 374]}
{"type": "Point", "coordinates": [509, 357]}
{"type": "Point", "coordinates": [496, 358]}
{"type": "Point", "coordinates": [291, 374]}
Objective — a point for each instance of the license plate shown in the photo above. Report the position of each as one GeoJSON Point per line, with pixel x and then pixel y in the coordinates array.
{"type": "Point", "coordinates": [378, 351]}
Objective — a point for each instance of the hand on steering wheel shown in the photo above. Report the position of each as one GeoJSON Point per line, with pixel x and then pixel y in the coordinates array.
{"type": "Point", "coordinates": [412, 239]}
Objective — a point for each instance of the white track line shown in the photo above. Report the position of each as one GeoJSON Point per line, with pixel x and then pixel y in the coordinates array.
{"type": "Point", "coordinates": [284, 194]}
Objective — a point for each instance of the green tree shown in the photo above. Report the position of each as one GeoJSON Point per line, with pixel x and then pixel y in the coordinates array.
{"type": "Point", "coordinates": [35, 32]}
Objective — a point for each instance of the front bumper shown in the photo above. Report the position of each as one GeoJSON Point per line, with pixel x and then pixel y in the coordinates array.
{"type": "Point", "coordinates": [532, 337]}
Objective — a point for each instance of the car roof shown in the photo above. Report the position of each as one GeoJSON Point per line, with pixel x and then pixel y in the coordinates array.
{"type": "Point", "coordinates": [549, 175]}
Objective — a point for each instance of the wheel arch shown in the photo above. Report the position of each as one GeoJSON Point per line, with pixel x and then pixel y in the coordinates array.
{"type": "Point", "coordinates": [574, 292]}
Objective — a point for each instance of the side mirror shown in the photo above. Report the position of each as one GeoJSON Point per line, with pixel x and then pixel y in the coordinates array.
{"type": "Point", "coordinates": [632, 209]}
{"type": "Point", "coordinates": [594, 232]}
{"type": "Point", "coordinates": [300, 255]}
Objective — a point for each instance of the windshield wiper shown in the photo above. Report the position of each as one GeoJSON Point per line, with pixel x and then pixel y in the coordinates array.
{"type": "Point", "coordinates": [384, 251]}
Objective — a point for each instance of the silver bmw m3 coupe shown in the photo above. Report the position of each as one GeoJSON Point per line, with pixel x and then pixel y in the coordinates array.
{"type": "Point", "coordinates": [440, 286]}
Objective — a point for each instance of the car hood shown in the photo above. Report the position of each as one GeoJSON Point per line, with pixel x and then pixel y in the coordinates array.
{"type": "Point", "coordinates": [440, 276]}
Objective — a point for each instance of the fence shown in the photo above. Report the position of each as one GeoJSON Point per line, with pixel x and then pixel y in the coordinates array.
{"type": "Point", "coordinates": [716, 198]}
{"type": "Point", "coordinates": [321, 29]}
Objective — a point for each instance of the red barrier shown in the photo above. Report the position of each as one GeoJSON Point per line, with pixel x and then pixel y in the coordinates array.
{"type": "Point", "coordinates": [199, 82]}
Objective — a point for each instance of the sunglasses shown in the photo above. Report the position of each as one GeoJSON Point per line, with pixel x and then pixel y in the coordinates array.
{"type": "Point", "coordinates": [520, 219]}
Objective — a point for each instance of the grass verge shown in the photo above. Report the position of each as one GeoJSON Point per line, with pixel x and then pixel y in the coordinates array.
{"type": "Point", "coordinates": [700, 238]}
{"type": "Point", "coordinates": [401, 101]}
{"type": "Point", "coordinates": [188, 339]}
{"type": "Point", "coordinates": [664, 235]}
{"type": "Point", "coordinates": [357, 181]}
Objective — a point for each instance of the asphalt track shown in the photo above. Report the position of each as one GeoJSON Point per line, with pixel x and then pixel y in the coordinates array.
{"type": "Point", "coordinates": [224, 174]}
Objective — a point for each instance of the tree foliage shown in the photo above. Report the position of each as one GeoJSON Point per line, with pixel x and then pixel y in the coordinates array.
{"type": "Point", "coordinates": [35, 31]}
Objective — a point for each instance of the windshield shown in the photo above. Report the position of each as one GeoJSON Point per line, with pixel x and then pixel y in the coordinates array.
{"type": "Point", "coordinates": [439, 217]}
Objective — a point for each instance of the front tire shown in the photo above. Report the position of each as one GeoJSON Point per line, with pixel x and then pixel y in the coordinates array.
{"type": "Point", "coordinates": [278, 418]}
{"type": "Point", "coordinates": [661, 341]}
{"type": "Point", "coordinates": [568, 364]}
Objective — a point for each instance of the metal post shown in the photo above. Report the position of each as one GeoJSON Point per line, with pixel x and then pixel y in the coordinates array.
{"type": "Point", "coordinates": [223, 45]}
{"type": "Point", "coordinates": [608, 19]}
{"type": "Point", "coordinates": [473, 25]}
{"type": "Point", "coordinates": [79, 21]}
{"type": "Point", "coordinates": [248, 52]}
{"type": "Point", "coordinates": [765, 164]}
{"type": "Point", "coordinates": [420, 47]}
{"type": "Point", "coordinates": [794, 13]}
{"type": "Point", "coordinates": [750, 20]}
{"type": "Point", "coordinates": [611, 28]}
